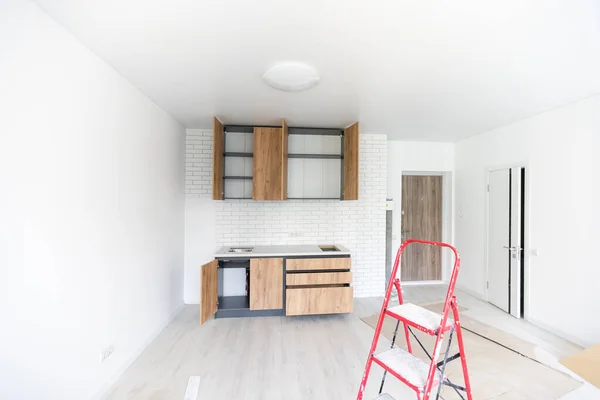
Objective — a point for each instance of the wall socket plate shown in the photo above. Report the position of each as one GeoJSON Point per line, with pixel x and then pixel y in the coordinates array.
{"type": "Point", "coordinates": [107, 352]}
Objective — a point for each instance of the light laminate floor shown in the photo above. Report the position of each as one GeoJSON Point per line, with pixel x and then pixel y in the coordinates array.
{"type": "Point", "coordinates": [313, 357]}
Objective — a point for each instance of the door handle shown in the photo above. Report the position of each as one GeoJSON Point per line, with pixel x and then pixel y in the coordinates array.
{"type": "Point", "coordinates": [512, 248]}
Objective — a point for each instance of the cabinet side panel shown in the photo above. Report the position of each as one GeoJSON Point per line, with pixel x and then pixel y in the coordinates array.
{"type": "Point", "coordinates": [351, 144]}
{"type": "Point", "coordinates": [218, 150]}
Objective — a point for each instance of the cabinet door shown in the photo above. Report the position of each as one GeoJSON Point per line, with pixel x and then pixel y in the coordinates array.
{"type": "Point", "coordinates": [208, 290]}
{"type": "Point", "coordinates": [318, 300]}
{"type": "Point", "coordinates": [284, 167]}
{"type": "Point", "coordinates": [218, 162]}
{"type": "Point", "coordinates": [267, 180]}
{"type": "Point", "coordinates": [266, 283]}
{"type": "Point", "coordinates": [351, 143]}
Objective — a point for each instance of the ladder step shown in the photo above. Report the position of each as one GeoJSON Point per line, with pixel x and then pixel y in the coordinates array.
{"type": "Point", "coordinates": [412, 369]}
{"type": "Point", "coordinates": [419, 317]}
{"type": "Point", "coordinates": [384, 396]}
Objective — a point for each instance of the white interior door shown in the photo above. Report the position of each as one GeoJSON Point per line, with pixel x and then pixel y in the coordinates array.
{"type": "Point", "coordinates": [499, 238]}
{"type": "Point", "coordinates": [505, 241]}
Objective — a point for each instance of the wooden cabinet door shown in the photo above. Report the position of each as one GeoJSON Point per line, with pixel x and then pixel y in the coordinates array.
{"type": "Point", "coordinates": [284, 167]}
{"type": "Point", "coordinates": [351, 143]}
{"type": "Point", "coordinates": [268, 176]}
{"type": "Point", "coordinates": [319, 300]}
{"type": "Point", "coordinates": [208, 290]}
{"type": "Point", "coordinates": [218, 160]}
{"type": "Point", "coordinates": [266, 283]}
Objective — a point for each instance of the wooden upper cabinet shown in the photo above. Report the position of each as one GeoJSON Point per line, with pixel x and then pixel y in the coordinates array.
{"type": "Point", "coordinates": [284, 170]}
{"type": "Point", "coordinates": [269, 180]}
{"type": "Point", "coordinates": [351, 142]}
{"type": "Point", "coordinates": [218, 162]}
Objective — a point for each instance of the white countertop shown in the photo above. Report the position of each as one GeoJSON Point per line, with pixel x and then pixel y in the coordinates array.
{"type": "Point", "coordinates": [283, 251]}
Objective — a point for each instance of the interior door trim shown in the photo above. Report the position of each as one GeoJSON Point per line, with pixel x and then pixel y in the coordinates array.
{"type": "Point", "coordinates": [525, 207]}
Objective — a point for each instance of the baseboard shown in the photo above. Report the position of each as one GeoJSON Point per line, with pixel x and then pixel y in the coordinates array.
{"type": "Point", "coordinates": [471, 293]}
{"type": "Point", "coordinates": [558, 332]}
{"type": "Point", "coordinates": [108, 386]}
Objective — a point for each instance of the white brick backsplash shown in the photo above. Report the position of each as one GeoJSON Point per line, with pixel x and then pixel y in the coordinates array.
{"type": "Point", "coordinates": [198, 162]}
{"type": "Point", "coordinates": [358, 225]}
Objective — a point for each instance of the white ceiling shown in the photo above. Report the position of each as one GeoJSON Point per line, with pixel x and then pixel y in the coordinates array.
{"type": "Point", "coordinates": [413, 69]}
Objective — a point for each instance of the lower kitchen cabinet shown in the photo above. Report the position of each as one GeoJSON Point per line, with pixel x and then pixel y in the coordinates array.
{"type": "Point", "coordinates": [318, 286]}
{"type": "Point", "coordinates": [272, 286]}
{"type": "Point", "coordinates": [266, 283]}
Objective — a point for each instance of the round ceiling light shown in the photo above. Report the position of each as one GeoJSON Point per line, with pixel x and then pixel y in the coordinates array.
{"type": "Point", "coordinates": [291, 76]}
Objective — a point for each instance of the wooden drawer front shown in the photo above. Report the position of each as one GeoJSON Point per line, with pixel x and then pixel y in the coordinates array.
{"type": "Point", "coordinates": [312, 264]}
{"type": "Point", "coordinates": [318, 278]}
{"type": "Point", "coordinates": [325, 300]}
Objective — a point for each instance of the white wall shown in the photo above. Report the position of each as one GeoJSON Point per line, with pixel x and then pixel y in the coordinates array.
{"type": "Point", "coordinates": [406, 157]}
{"type": "Point", "coordinates": [358, 225]}
{"type": "Point", "coordinates": [560, 152]}
{"type": "Point", "coordinates": [91, 213]}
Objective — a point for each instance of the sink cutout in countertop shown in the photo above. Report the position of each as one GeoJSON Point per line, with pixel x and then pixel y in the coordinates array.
{"type": "Point", "coordinates": [329, 248]}
{"type": "Point", "coordinates": [240, 250]}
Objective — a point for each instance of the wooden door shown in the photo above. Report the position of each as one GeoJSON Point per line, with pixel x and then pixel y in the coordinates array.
{"type": "Point", "coordinates": [266, 283]}
{"type": "Point", "coordinates": [208, 290]}
{"type": "Point", "coordinates": [268, 177]}
{"type": "Point", "coordinates": [351, 143]}
{"type": "Point", "coordinates": [218, 162]}
{"type": "Point", "coordinates": [421, 219]}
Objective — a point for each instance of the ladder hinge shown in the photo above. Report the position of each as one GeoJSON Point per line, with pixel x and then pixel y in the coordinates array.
{"type": "Point", "coordinates": [488, 284]}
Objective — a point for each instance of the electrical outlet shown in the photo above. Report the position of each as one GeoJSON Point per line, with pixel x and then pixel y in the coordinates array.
{"type": "Point", "coordinates": [107, 352]}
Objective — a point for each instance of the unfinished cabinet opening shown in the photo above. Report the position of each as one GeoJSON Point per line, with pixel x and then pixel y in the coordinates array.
{"type": "Point", "coordinates": [238, 164]}
{"type": "Point", "coordinates": [234, 285]}
{"type": "Point", "coordinates": [315, 164]}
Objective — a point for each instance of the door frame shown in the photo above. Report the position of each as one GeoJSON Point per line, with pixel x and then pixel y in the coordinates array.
{"type": "Point", "coordinates": [525, 239]}
{"type": "Point", "coordinates": [447, 222]}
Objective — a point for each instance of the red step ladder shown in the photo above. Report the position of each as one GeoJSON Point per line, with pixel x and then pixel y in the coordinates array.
{"type": "Point", "coordinates": [420, 376]}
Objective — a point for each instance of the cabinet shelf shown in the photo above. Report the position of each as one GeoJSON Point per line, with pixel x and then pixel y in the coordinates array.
{"type": "Point", "coordinates": [234, 303]}
{"type": "Point", "coordinates": [237, 154]}
{"type": "Point", "coordinates": [316, 131]}
{"type": "Point", "coordinates": [237, 177]}
{"type": "Point", "coordinates": [314, 198]}
{"type": "Point", "coordinates": [323, 156]}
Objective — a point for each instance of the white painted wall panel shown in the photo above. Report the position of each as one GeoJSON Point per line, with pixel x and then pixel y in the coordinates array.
{"type": "Point", "coordinates": [560, 152]}
{"type": "Point", "coordinates": [91, 213]}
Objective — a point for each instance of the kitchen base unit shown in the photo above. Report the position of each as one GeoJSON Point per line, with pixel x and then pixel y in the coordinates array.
{"type": "Point", "coordinates": [276, 281]}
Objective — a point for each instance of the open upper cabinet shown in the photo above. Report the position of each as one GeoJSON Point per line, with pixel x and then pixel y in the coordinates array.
{"type": "Point", "coordinates": [281, 162]}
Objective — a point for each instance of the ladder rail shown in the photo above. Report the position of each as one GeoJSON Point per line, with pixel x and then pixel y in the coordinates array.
{"type": "Point", "coordinates": [449, 295]}
{"type": "Point", "coordinates": [394, 282]}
